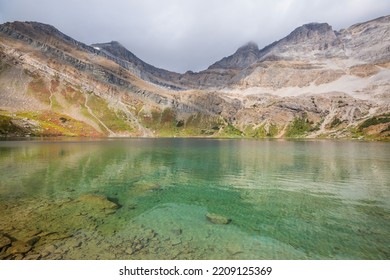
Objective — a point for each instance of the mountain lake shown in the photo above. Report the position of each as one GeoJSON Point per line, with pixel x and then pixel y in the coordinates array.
{"type": "Point", "coordinates": [167, 198]}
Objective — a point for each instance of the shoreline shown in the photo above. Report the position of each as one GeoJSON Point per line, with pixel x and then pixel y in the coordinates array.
{"type": "Point", "coordinates": [88, 138]}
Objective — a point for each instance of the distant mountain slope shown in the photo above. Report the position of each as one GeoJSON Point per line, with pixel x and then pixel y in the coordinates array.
{"type": "Point", "coordinates": [315, 82]}
{"type": "Point", "coordinates": [115, 51]}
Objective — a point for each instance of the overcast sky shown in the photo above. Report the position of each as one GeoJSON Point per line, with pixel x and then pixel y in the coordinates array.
{"type": "Point", "coordinates": [181, 35]}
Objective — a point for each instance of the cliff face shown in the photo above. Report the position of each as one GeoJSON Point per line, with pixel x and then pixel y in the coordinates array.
{"type": "Point", "coordinates": [315, 82]}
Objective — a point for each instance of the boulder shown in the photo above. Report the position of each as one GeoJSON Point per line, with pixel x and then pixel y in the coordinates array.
{"type": "Point", "coordinates": [218, 219]}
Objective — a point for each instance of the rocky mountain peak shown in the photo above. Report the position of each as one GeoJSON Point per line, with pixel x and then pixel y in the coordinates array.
{"type": "Point", "coordinates": [117, 52]}
{"type": "Point", "coordinates": [311, 32]}
{"type": "Point", "coordinates": [319, 27]}
{"type": "Point", "coordinates": [249, 47]}
{"type": "Point", "coordinates": [116, 49]}
{"type": "Point", "coordinates": [39, 34]}
{"type": "Point", "coordinates": [115, 43]}
{"type": "Point", "coordinates": [242, 58]}
{"type": "Point", "coordinates": [312, 40]}
{"type": "Point", "coordinates": [31, 28]}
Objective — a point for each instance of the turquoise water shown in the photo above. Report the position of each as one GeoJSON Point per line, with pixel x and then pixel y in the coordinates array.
{"type": "Point", "coordinates": [286, 199]}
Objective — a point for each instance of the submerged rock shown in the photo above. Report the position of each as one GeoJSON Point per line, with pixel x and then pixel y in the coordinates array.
{"type": "Point", "coordinates": [234, 249]}
{"type": "Point", "coordinates": [19, 247]}
{"type": "Point", "coordinates": [143, 186]}
{"type": "Point", "coordinates": [132, 206]}
{"type": "Point", "coordinates": [129, 251]}
{"type": "Point", "coordinates": [176, 241]}
{"type": "Point", "coordinates": [4, 241]}
{"type": "Point", "coordinates": [33, 240]}
{"type": "Point", "coordinates": [98, 201]}
{"type": "Point", "coordinates": [218, 219]}
{"type": "Point", "coordinates": [149, 234]}
{"type": "Point", "coordinates": [57, 235]}
{"type": "Point", "coordinates": [48, 250]}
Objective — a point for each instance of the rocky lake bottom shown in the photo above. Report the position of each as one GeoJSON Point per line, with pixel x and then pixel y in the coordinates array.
{"type": "Point", "coordinates": [194, 199]}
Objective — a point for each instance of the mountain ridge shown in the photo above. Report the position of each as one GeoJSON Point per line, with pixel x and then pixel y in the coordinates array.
{"type": "Point", "coordinates": [306, 31]}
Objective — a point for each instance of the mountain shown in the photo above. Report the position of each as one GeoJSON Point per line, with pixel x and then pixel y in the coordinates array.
{"type": "Point", "coordinates": [315, 82]}
{"type": "Point", "coordinates": [118, 53]}
{"type": "Point", "coordinates": [242, 58]}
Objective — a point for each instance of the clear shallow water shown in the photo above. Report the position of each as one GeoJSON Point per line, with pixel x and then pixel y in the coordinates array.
{"type": "Point", "coordinates": [286, 199]}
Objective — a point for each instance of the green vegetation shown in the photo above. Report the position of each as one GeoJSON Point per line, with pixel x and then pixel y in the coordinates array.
{"type": "Point", "coordinates": [56, 106]}
{"type": "Point", "coordinates": [203, 125]}
{"type": "Point", "coordinates": [231, 131]}
{"type": "Point", "coordinates": [336, 121]}
{"type": "Point", "coordinates": [355, 132]}
{"type": "Point", "coordinates": [261, 131]}
{"type": "Point", "coordinates": [298, 128]}
{"type": "Point", "coordinates": [360, 132]}
{"type": "Point", "coordinates": [375, 120]}
{"type": "Point", "coordinates": [165, 123]}
{"type": "Point", "coordinates": [317, 126]}
{"type": "Point", "coordinates": [55, 124]}
{"type": "Point", "coordinates": [255, 132]}
{"type": "Point", "coordinates": [7, 127]}
{"type": "Point", "coordinates": [272, 130]}
{"type": "Point", "coordinates": [116, 121]}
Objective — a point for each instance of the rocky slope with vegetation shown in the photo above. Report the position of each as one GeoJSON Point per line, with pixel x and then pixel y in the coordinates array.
{"type": "Point", "coordinates": [315, 82]}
